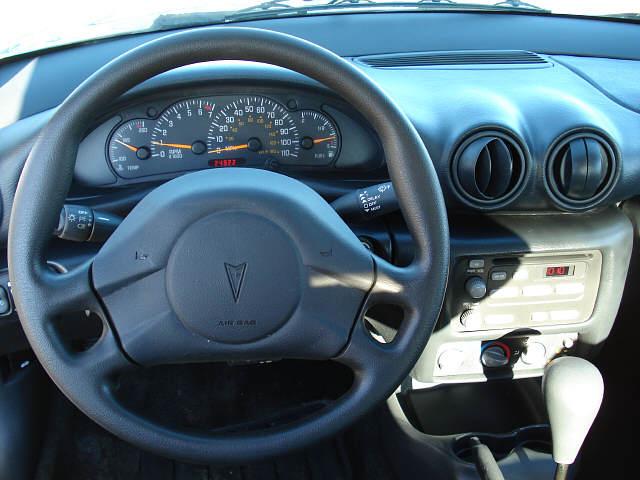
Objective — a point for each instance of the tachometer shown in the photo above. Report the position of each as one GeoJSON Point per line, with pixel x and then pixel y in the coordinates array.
{"type": "Point", "coordinates": [254, 128]}
{"type": "Point", "coordinates": [180, 134]}
{"type": "Point", "coordinates": [129, 147]}
{"type": "Point", "coordinates": [319, 138]}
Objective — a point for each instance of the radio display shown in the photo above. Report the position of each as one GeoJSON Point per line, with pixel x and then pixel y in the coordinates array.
{"type": "Point", "coordinates": [559, 271]}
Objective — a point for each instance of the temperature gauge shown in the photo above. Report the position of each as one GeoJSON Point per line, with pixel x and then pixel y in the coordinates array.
{"type": "Point", "coordinates": [129, 148]}
{"type": "Point", "coordinates": [319, 139]}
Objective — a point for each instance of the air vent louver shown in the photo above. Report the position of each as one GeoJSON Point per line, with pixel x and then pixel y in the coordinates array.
{"type": "Point", "coordinates": [580, 170]}
{"type": "Point", "coordinates": [454, 58]}
{"type": "Point", "coordinates": [488, 169]}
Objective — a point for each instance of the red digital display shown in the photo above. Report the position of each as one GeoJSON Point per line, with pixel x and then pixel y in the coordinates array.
{"type": "Point", "coordinates": [559, 271]}
{"type": "Point", "coordinates": [226, 162]}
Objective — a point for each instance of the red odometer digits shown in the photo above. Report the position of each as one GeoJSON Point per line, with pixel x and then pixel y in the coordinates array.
{"type": "Point", "coordinates": [226, 162]}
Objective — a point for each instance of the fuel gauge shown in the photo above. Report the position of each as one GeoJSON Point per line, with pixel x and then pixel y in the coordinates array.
{"type": "Point", "coordinates": [319, 139]}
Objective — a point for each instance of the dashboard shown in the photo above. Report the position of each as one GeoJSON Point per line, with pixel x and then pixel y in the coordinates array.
{"type": "Point", "coordinates": [559, 112]}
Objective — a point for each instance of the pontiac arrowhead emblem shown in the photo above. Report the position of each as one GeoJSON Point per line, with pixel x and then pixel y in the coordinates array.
{"type": "Point", "coordinates": [235, 274]}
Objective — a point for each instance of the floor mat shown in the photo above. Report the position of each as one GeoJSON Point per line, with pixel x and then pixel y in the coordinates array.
{"type": "Point", "coordinates": [78, 449]}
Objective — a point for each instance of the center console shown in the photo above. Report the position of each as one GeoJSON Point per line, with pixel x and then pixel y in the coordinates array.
{"type": "Point", "coordinates": [524, 289]}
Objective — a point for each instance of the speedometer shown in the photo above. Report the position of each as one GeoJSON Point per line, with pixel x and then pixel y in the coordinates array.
{"type": "Point", "coordinates": [254, 128]}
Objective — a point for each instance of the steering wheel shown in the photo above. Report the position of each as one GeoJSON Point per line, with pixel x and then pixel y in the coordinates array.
{"type": "Point", "coordinates": [287, 278]}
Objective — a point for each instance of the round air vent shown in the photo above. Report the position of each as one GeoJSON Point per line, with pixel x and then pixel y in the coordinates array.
{"type": "Point", "coordinates": [488, 169]}
{"type": "Point", "coordinates": [581, 170]}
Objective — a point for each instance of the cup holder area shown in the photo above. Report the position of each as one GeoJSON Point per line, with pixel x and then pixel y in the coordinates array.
{"type": "Point", "coordinates": [534, 437]}
{"type": "Point", "coordinates": [495, 407]}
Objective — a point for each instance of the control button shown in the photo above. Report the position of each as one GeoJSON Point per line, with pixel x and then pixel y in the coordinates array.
{"type": "Point", "coordinates": [476, 263]}
{"type": "Point", "coordinates": [534, 354]}
{"type": "Point", "coordinates": [539, 317]}
{"type": "Point", "coordinates": [495, 355]}
{"type": "Point", "coordinates": [471, 320]}
{"type": "Point", "coordinates": [537, 290]}
{"type": "Point", "coordinates": [498, 319]}
{"type": "Point", "coordinates": [451, 360]}
{"type": "Point", "coordinates": [5, 305]}
{"type": "Point", "coordinates": [476, 287]}
{"type": "Point", "coordinates": [505, 292]}
{"type": "Point", "coordinates": [569, 288]}
{"type": "Point", "coordinates": [499, 276]}
{"type": "Point", "coordinates": [564, 315]}
{"type": "Point", "coordinates": [521, 274]}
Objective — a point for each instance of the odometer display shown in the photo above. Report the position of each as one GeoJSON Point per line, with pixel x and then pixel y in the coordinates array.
{"type": "Point", "coordinates": [255, 127]}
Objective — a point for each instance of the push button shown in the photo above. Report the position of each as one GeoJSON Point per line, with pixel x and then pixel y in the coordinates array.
{"type": "Point", "coordinates": [498, 319]}
{"type": "Point", "coordinates": [498, 276]}
{"type": "Point", "coordinates": [569, 288]}
{"type": "Point", "coordinates": [537, 290]}
{"type": "Point", "coordinates": [539, 317]}
{"type": "Point", "coordinates": [521, 274]}
{"type": "Point", "coordinates": [564, 315]}
{"type": "Point", "coordinates": [476, 263]}
{"type": "Point", "coordinates": [5, 304]}
{"type": "Point", "coordinates": [505, 292]}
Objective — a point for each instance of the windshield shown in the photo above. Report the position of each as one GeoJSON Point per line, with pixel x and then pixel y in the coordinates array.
{"type": "Point", "coordinates": [30, 25]}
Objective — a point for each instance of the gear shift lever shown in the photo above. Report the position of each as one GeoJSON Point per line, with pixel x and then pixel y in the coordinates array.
{"type": "Point", "coordinates": [573, 390]}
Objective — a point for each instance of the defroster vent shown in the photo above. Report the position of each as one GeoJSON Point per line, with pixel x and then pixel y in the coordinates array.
{"type": "Point", "coordinates": [465, 58]}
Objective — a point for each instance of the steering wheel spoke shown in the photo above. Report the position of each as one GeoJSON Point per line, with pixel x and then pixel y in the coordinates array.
{"type": "Point", "coordinates": [69, 291]}
{"type": "Point", "coordinates": [103, 360]}
{"type": "Point", "coordinates": [393, 284]}
{"type": "Point", "coordinates": [402, 287]}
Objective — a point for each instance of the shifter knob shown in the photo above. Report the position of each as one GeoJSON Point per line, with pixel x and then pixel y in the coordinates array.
{"type": "Point", "coordinates": [573, 390]}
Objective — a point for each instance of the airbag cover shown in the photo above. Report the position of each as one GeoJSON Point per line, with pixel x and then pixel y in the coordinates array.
{"type": "Point", "coordinates": [234, 277]}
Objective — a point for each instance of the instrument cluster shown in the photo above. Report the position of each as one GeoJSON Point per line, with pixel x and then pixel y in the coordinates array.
{"type": "Point", "coordinates": [221, 132]}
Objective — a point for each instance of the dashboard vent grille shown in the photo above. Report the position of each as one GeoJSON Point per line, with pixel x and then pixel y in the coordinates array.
{"type": "Point", "coordinates": [488, 169]}
{"type": "Point", "coordinates": [580, 170]}
{"type": "Point", "coordinates": [454, 58]}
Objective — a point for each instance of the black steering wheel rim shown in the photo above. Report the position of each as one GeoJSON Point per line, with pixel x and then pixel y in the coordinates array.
{"type": "Point", "coordinates": [40, 295]}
